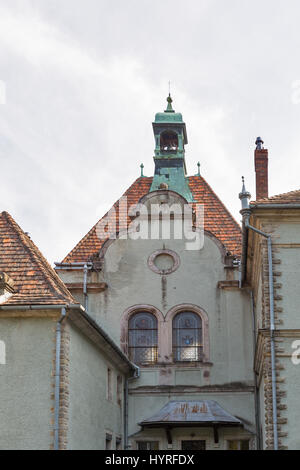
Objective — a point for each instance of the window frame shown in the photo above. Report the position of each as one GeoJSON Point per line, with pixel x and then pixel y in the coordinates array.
{"type": "Point", "coordinates": [239, 442]}
{"type": "Point", "coordinates": [165, 332]}
{"type": "Point", "coordinates": [148, 444]}
{"type": "Point", "coordinates": [205, 330]}
{"type": "Point", "coordinates": [177, 349]}
{"type": "Point", "coordinates": [133, 347]}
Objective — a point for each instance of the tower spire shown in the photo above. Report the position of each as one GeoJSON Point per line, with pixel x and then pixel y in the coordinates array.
{"type": "Point", "coordinates": [169, 107]}
{"type": "Point", "coordinates": [170, 140]}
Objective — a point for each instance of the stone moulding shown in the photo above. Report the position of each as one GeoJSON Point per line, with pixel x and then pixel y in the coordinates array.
{"type": "Point", "coordinates": [175, 257]}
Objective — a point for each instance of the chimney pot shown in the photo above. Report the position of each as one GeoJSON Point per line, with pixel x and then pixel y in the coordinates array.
{"type": "Point", "coordinates": [261, 170]}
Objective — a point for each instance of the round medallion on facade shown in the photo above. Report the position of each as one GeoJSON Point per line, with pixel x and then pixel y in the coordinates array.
{"type": "Point", "coordinates": [164, 261]}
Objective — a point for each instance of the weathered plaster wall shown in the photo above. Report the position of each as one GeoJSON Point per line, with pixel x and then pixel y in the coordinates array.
{"type": "Point", "coordinates": [26, 382]}
{"type": "Point", "coordinates": [90, 412]}
{"type": "Point", "coordinates": [131, 282]}
{"type": "Point", "coordinates": [286, 260]}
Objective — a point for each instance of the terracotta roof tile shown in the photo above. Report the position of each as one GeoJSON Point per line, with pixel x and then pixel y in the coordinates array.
{"type": "Point", "coordinates": [292, 197]}
{"type": "Point", "coordinates": [35, 281]}
{"type": "Point", "coordinates": [218, 219]}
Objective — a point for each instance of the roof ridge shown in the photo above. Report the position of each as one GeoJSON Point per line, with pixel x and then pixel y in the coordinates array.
{"type": "Point", "coordinates": [55, 284]}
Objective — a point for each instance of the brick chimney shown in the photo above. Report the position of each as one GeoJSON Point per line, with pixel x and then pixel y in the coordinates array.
{"type": "Point", "coordinates": [261, 169]}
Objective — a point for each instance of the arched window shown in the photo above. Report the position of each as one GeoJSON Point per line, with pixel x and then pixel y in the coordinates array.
{"type": "Point", "coordinates": [187, 337]}
{"type": "Point", "coordinates": [168, 141]}
{"type": "Point", "coordinates": [142, 338]}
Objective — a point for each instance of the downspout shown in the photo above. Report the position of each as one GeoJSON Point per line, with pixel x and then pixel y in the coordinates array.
{"type": "Point", "coordinates": [86, 266]}
{"type": "Point", "coordinates": [135, 376]}
{"type": "Point", "coordinates": [57, 379]}
{"type": "Point", "coordinates": [85, 272]}
{"type": "Point", "coordinates": [256, 397]}
{"type": "Point", "coordinates": [246, 214]}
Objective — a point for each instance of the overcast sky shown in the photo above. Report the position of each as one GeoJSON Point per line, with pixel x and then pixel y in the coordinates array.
{"type": "Point", "coordinates": [81, 80]}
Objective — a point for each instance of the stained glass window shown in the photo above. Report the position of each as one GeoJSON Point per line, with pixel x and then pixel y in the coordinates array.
{"type": "Point", "coordinates": [187, 337]}
{"type": "Point", "coordinates": [142, 338]}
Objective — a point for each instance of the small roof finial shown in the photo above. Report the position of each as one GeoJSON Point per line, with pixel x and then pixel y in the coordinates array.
{"type": "Point", "coordinates": [169, 100]}
{"type": "Point", "coordinates": [142, 169]}
{"type": "Point", "coordinates": [244, 196]}
{"type": "Point", "coordinates": [198, 165]}
{"type": "Point", "coordinates": [259, 143]}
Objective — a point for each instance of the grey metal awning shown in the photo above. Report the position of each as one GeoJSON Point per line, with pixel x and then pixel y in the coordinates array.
{"type": "Point", "coordinates": [191, 414]}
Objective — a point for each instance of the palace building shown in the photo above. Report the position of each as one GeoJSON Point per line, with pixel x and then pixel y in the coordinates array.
{"type": "Point", "coordinates": [167, 327]}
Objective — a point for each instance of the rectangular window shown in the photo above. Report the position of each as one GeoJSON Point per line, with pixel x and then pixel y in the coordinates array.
{"type": "Point", "coordinates": [119, 389]}
{"type": "Point", "coordinates": [109, 385]}
{"type": "Point", "coordinates": [147, 445]}
{"type": "Point", "coordinates": [118, 443]}
{"type": "Point", "coordinates": [108, 441]}
{"type": "Point", "coordinates": [193, 445]}
{"type": "Point", "coordinates": [238, 445]}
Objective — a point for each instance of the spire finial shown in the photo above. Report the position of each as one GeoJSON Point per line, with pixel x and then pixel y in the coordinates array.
{"type": "Point", "coordinates": [169, 100]}
{"type": "Point", "coordinates": [244, 196]}
{"type": "Point", "coordinates": [198, 165]}
{"type": "Point", "coordinates": [142, 169]}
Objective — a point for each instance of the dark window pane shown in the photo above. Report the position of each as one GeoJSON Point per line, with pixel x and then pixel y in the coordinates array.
{"type": "Point", "coordinates": [244, 445]}
{"type": "Point", "coordinates": [193, 445]}
{"type": "Point", "coordinates": [151, 445]}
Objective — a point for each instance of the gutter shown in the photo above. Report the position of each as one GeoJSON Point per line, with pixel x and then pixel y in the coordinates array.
{"type": "Point", "coordinates": [274, 206]}
{"type": "Point", "coordinates": [34, 307]}
{"type": "Point", "coordinates": [246, 215]}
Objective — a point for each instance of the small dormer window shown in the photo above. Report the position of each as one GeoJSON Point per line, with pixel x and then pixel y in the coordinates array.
{"type": "Point", "coordinates": [168, 141]}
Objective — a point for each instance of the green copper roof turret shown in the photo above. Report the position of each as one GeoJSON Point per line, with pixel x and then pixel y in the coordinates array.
{"type": "Point", "coordinates": [170, 140]}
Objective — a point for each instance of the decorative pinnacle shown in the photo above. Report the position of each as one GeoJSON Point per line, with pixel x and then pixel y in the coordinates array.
{"type": "Point", "coordinates": [259, 143]}
{"type": "Point", "coordinates": [244, 196]}
{"type": "Point", "coordinates": [142, 169]}
{"type": "Point", "coordinates": [169, 107]}
{"type": "Point", "coordinates": [198, 165]}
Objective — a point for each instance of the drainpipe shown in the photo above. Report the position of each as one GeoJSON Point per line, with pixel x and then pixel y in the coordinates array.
{"type": "Point", "coordinates": [85, 272]}
{"type": "Point", "coordinates": [78, 267]}
{"type": "Point", "coordinates": [256, 398]}
{"type": "Point", "coordinates": [246, 216]}
{"type": "Point", "coordinates": [135, 376]}
{"type": "Point", "coordinates": [57, 379]}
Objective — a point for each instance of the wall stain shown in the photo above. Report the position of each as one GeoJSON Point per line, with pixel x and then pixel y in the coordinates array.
{"type": "Point", "coordinates": [164, 292]}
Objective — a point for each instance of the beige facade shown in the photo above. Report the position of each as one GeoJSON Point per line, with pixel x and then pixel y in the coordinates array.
{"type": "Point", "coordinates": [284, 227]}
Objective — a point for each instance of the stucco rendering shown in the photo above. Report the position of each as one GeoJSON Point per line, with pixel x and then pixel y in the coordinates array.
{"type": "Point", "coordinates": [167, 327]}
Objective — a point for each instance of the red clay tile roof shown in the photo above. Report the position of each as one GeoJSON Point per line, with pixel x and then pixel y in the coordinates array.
{"type": "Point", "coordinates": [292, 197]}
{"type": "Point", "coordinates": [218, 219]}
{"type": "Point", "coordinates": [35, 282]}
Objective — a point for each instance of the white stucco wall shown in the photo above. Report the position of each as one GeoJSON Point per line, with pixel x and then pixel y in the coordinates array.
{"type": "Point", "coordinates": [26, 383]}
